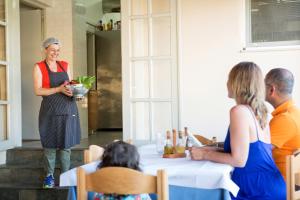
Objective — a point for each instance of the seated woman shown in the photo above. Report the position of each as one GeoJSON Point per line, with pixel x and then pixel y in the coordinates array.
{"type": "Point", "coordinates": [120, 154]}
{"type": "Point", "coordinates": [247, 146]}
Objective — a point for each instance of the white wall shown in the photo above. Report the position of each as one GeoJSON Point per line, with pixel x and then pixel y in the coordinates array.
{"type": "Point", "coordinates": [58, 23]}
{"type": "Point", "coordinates": [94, 11]}
{"type": "Point", "coordinates": [80, 59]}
{"type": "Point", "coordinates": [211, 37]}
{"type": "Point", "coordinates": [31, 37]}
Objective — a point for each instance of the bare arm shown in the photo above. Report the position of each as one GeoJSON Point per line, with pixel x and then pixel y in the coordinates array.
{"type": "Point", "coordinates": [239, 134]}
{"type": "Point", "coordinates": [40, 91]}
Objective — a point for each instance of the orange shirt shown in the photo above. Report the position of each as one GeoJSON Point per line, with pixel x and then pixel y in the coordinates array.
{"type": "Point", "coordinates": [285, 133]}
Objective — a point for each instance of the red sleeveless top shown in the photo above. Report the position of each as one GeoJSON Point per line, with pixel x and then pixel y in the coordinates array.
{"type": "Point", "coordinates": [45, 74]}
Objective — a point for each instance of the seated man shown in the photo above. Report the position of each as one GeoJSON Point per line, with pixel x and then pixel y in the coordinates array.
{"type": "Point", "coordinates": [285, 125]}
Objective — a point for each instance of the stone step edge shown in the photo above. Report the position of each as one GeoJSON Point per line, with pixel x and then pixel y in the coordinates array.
{"type": "Point", "coordinates": [30, 187]}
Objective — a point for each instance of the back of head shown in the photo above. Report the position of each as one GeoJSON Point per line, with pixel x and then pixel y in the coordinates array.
{"type": "Point", "coordinates": [282, 80]}
{"type": "Point", "coordinates": [247, 85]}
{"type": "Point", "coordinates": [120, 154]}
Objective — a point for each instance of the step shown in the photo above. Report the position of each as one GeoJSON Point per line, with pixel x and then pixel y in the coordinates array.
{"type": "Point", "coordinates": [34, 157]}
{"type": "Point", "coordinates": [24, 175]}
{"type": "Point", "coordinates": [32, 192]}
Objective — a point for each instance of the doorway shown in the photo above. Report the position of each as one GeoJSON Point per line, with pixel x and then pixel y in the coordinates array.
{"type": "Point", "coordinates": [103, 58]}
{"type": "Point", "coordinates": [31, 38]}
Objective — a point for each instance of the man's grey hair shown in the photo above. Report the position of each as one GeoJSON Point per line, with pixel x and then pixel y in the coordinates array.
{"type": "Point", "coordinates": [283, 80]}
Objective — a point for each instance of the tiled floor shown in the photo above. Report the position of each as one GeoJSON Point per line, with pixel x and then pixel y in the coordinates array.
{"type": "Point", "coordinates": [99, 138]}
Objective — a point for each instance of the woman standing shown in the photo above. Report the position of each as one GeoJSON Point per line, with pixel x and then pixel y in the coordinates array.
{"type": "Point", "coordinates": [59, 125]}
{"type": "Point", "coordinates": [247, 146]}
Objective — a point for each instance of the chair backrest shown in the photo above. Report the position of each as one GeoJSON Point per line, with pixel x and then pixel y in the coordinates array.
{"type": "Point", "coordinates": [293, 175]}
{"type": "Point", "coordinates": [93, 153]}
{"type": "Point", "coordinates": [203, 140]}
{"type": "Point", "coordinates": [120, 180]}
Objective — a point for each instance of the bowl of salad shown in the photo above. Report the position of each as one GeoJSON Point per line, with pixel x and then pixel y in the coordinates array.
{"type": "Point", "coordinates": [81, 85]}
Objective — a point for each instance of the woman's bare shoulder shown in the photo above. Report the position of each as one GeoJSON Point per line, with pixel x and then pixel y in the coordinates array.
{"type": "Point", "coordinates": [239, 110]}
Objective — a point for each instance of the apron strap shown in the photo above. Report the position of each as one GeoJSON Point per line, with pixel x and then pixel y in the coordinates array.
{"type": "Point", "coordinates": [60, 66]}
{"type": "Point", "coordinates": [57, 64]}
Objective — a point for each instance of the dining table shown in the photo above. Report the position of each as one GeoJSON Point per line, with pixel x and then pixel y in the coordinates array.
{"type": "Point", "coordinates": [188, 179]}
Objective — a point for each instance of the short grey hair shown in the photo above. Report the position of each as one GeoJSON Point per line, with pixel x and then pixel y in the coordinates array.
{"type": "Point", "coordinates": [49, 41]}
{"type": "Point", "coordinates": [282, 78]}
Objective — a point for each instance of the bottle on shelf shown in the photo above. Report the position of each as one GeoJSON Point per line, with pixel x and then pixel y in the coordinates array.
{"type": "Point", "coordinates": [168, 149]}
{"type": "Point", "coordinates": [118, 25]}
{"type": "Point", "coordinates": [100, 27]}
{"type": "Point", "coordinates": [111, 25]}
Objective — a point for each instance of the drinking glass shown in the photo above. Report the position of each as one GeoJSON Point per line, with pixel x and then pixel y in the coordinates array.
{"type": "Point", "coordinates": [160, 143]}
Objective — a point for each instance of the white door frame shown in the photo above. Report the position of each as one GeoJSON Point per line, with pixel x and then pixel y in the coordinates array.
{"type": "Point", "coordinates": [126, 69]}
{"type": "Point", "coordinates": [13, 73]}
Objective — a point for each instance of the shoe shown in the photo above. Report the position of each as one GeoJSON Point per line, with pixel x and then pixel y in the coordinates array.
{"type": "Point", "coordinates": [48, 182]}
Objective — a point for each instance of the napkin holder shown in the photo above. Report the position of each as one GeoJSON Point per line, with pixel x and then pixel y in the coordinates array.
{"type": "Point", "coordinates": [175, 155]}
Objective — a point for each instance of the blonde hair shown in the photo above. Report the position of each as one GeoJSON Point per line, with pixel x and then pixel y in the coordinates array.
{"type": "Point", "coordinates": [247, 86]}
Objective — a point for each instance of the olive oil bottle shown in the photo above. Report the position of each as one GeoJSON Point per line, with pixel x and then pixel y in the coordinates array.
{"type": "Point", "coordinates": [168, 149]}
{"type": "Point", "coordinates": [180, 148]}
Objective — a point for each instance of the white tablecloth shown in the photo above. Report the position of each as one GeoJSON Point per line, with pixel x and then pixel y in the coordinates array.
{"type": "Point", "coordinates": [181, 171]}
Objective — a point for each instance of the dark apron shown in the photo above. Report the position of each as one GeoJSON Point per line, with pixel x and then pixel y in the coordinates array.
{"type": "Point", "coordinates": [59, 124]}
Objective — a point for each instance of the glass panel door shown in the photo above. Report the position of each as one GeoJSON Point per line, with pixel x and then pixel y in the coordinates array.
{"type": "Point", "coordinates": [2, 43]}
{"type": "Point", "coordinates": [3, 123]}
{"type": "Point", "coordinates": [2, 83]}
{"type": "Point", "coordinates": [3, 74]}
{"type": "Point", "coordinates": [2, 10]}
{"type": "Point", "coordinates": [149, 68]}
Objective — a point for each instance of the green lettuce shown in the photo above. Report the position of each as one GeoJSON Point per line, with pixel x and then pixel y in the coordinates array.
{"type": "Point", "coordinates": [86, 81]}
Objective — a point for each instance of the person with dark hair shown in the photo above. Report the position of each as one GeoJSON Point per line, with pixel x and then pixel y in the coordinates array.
{"type": "Point", "coordinates": [285, 124]}
{"type": "Point", "coordinates": [121, 154]}
{"type": "Point", "coordinates": [247, 145]}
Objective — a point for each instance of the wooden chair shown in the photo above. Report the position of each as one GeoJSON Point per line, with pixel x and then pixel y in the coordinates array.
{"type": "Point", "coordinates": [93, 153]}
{"type": "Point", "coordinates": [204, 140]}
{"type": "Point", "coordinates": [120, 180]}
{"type": "Point", "coordinates": [293, 175]}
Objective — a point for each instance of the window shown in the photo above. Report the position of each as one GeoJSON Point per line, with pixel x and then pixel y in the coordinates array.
{"type": "Point", "coordinates": [273, 22]}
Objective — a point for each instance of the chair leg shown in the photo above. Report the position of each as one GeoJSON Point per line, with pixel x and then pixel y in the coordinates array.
{"type": "Point", "coordinates": [162, 185]}
{"type": "Point", "coordinates": [159, 185]}
{"type": "Point", "coordinates": [165, 185]}
{"type": "Point", "coordinates": [81, 184]}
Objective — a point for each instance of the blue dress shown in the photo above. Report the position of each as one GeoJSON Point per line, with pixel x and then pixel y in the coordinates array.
{"type": "Point", "coordinates": [259, 179]}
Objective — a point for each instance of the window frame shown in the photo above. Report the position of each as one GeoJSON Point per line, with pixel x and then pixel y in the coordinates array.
{"type": "Point", "coordinates": [249, 42]}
